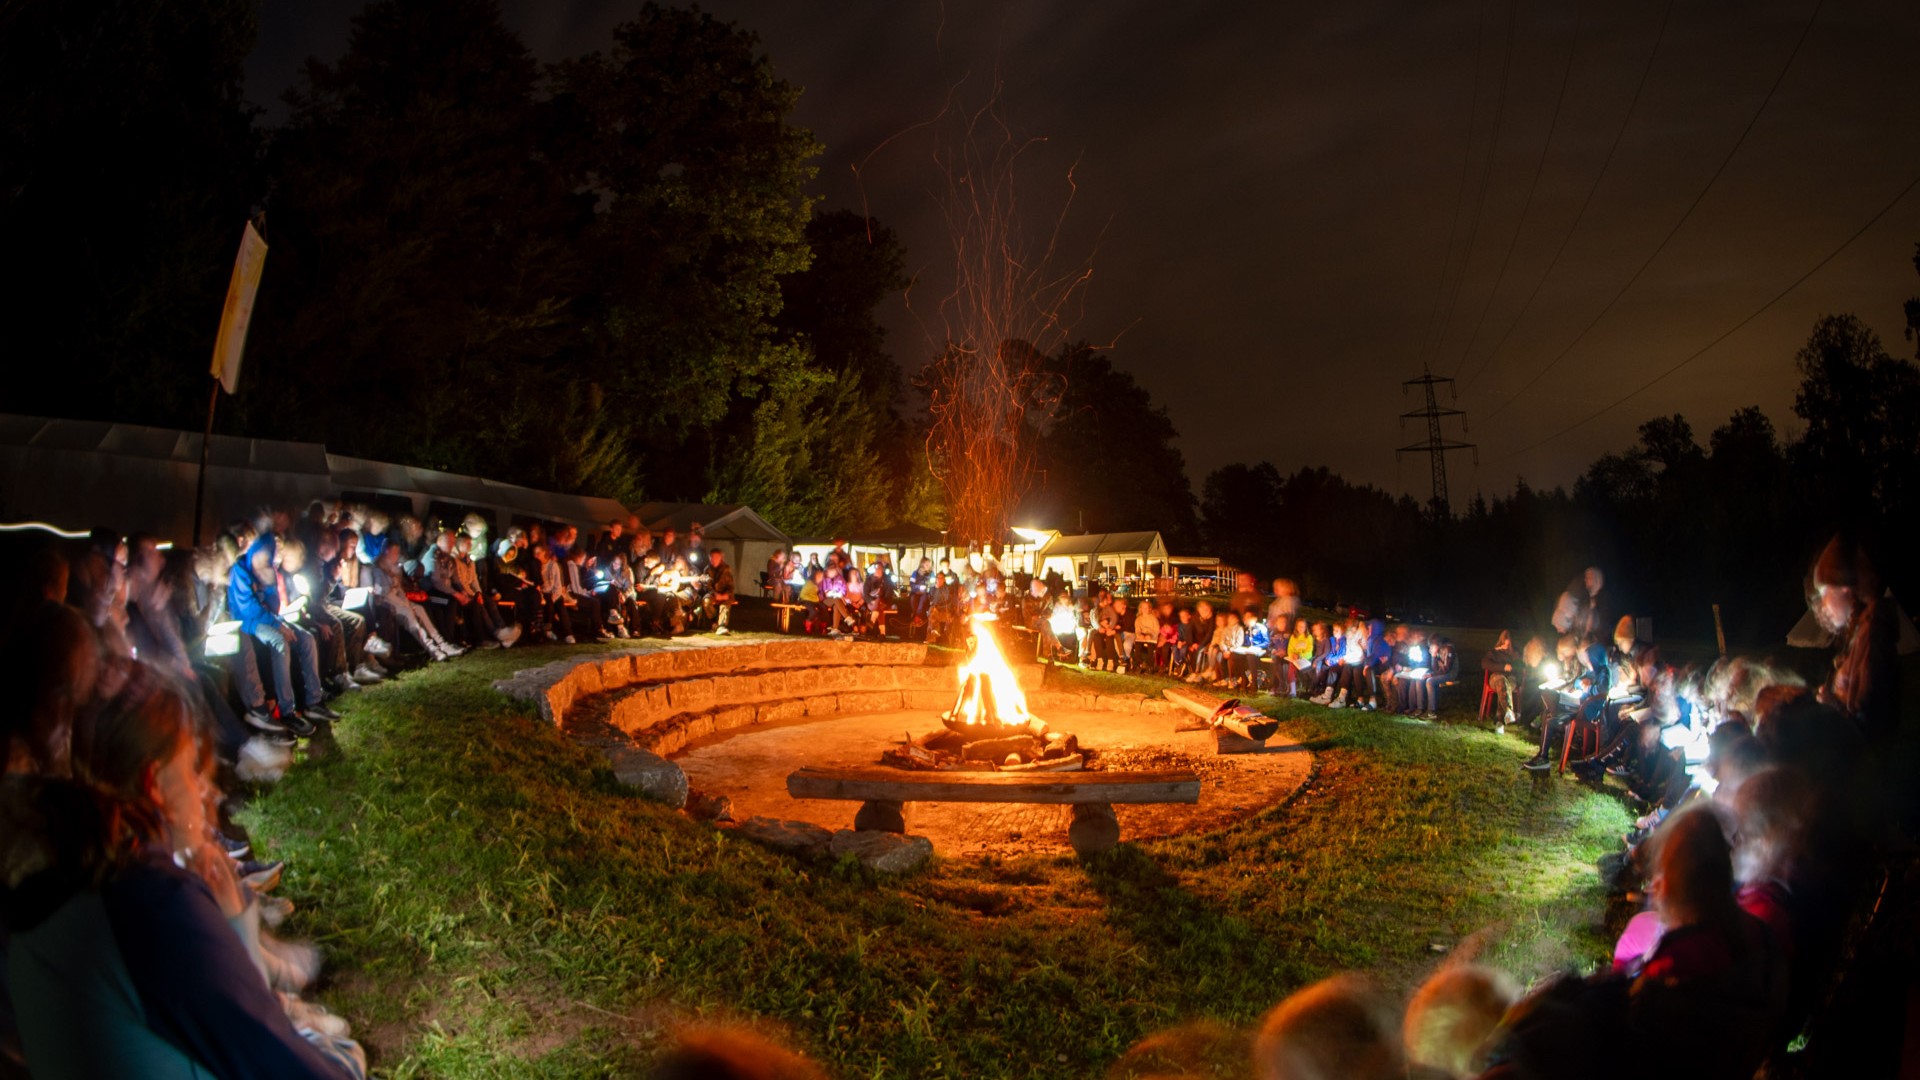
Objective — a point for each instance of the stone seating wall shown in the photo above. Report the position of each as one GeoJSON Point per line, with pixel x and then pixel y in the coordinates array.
{"type": "Point", "coordinates": [671, 696]}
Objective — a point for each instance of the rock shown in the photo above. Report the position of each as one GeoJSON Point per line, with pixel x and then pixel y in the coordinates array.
{"type": "Point", "coordinates": [884, 852]}
{"type": "Point", "coordinates": [650, 774]}
{"type": "Point", "coordinates": [707, 807]}
{"type": "Point", "coordinates": [793, 837]}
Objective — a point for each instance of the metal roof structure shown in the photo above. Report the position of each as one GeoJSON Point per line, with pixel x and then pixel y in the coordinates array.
{"type": "Point", "coordinates": [79, 473]}
{"type": "Point", "coordinates": [1148, 544]}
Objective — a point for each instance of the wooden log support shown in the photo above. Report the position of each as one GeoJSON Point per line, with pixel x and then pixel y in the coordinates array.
{"type": "Point", "coordinates": [1094, 829]}
{"type": "Point", "coordinates": [869, 783]}
{"type": "Point", "coordinates": [881, 815]}
{"type": "Point", "coordinates": [786, 615]}
{"type": "Point", "coordinates": [1237, 728]}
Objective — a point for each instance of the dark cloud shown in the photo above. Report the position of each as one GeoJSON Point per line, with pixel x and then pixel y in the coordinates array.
{"type": "Point", "coordinates": [1271, 190]}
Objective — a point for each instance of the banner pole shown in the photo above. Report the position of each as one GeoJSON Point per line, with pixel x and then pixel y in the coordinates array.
{"type": "Point", "coordinates": [206, 444]}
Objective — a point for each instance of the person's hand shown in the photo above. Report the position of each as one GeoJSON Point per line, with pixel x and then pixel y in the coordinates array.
{"type": "Point", "coordinates": [286, 633]}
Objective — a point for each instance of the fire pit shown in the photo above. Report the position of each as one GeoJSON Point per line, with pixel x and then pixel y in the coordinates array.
{"type": "Point", "coordinates": [989, 727]}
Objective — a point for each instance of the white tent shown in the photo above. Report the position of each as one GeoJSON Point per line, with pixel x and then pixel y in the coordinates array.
{"type": "Point", "coordinates": [748, 539]}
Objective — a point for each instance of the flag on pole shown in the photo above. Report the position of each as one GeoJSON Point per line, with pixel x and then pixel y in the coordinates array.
{"type": "Point", "coordinates": [238, 311]}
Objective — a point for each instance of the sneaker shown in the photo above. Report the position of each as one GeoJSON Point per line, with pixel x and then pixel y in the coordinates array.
{"type": "Point", "coordinates": [551, 636]}
{"type": "Point", "coordinates": [262, 720]}
{"type": "Point", "coordinates": [298, 725]}
{"type": "Point", "coordinates": [1339, 702]}
{"type": "Point", "coordinates": [342, 684]}
{"type": "Point", "coordinates": [489, 644]}
{"type": "Point", "coordinates": [722, 630]}
{"type": "Point", "coordinates": [261, 876]}
{"type": "Point", "coordinates": [365, 676]}
{"type": "Point", "coordinates": [374, 666]}
{"type": "Point", "coordinates": [1538, 764]}
{"type": "Point", "coordinates": [453, 650]}
{"type": "Point", "coordinates": [377, 646]}
{"type": "Point", "coordinates": [319, 709]}
{"type": "Point", "coordinates": [508, 635]}
{"type": "Point", "coordinates": [235, 847]}
{"type": "Point", "coordinates": [569, 639]}
{"type": "Point", "coordinates": [620, 631]}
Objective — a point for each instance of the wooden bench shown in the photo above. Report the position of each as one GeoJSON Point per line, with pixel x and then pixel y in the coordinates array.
{"type": "Point", "coordinates": [883, 794]}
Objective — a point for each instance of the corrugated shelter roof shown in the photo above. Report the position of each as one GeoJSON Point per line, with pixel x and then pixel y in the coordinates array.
{"type": "Point", "coordinates": [1103, 543]}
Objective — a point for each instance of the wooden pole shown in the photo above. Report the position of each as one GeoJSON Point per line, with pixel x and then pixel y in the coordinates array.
{"type": "Point", "coordinates": [206, 444]}
{"type": "Point", "coordinates": [1719, 631]}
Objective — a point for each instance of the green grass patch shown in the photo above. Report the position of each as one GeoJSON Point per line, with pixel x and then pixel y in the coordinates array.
{"type": "Point", "coordinates": [492, 903]}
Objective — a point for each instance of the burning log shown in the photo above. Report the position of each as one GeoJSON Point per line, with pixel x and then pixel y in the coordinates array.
{"type": "Point", "coordinates": [1066, 763]}
{"type": "Point", "coordinates": [996, 749]}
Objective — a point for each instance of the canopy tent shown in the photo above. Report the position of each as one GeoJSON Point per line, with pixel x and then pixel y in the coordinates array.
{"type": "Point", "coordinates": [78, 473]}
{"type": "Point", "coordinates": [748, 539]}
{"type": "Point", "coordinates": [1123, 556]}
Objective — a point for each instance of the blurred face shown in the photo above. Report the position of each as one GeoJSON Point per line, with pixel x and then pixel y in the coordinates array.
{"type": "Point", "coordinates": [179, 789]}
{"type": "Point", "coordinates": [1594, 580]}
{"type": "Point", "coordinates": [1833, 606]}
{"type": "Point", "coordinates": [1300, 626]}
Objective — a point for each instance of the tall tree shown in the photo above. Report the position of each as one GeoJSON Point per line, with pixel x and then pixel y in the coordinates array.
{"type": "Point", "coordinates": [680, 132]}
{"type": "Point", "coordinates": [128, 165]}
{"type": "Point", "coordinates": [1107, 454]}
{"type": "Point", "coordinates": [422, 283]}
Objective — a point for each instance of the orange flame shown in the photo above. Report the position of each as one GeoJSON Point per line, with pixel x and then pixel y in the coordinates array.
{"type": "Point", "coordinates": [987, 681]}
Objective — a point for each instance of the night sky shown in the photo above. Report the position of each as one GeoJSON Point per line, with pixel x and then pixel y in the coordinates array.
{"type": "Point", "coordinates": [1267, 194]}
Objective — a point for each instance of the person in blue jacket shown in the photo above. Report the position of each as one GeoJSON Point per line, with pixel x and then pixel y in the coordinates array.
{"type": "Point", "coordinates": [253, 597]}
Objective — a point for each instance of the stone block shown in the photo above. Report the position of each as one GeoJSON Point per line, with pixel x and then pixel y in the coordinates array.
{"type": "Point", "coordinates": [793, 837]}
{"type": "Point", "coordinates": [768, 712]}
{"type": "Point", "coordinates": [822, 704]}
{"type": "Point", "coordinates": [883, 852]}
{"type": "Point", "coordinates": [585, 679]}
{"type": "Point", "coordinates": [737, 716]}
{"type": "Point", "coordinates": [616, 673]}
{"type": "Point", "coordinates": [559, 699]}
{"type": "Point", "coordinates": [933, 701]}
{"type": "Point", "coordinates": [691, 695]}
{"type": "Point", "coordinates": [870, 701]}
{"type": "Point", "coordinates": [650, 774]}
{"type": "Point", "coordinates": [700, 725]}
{"type": "Point", "coordinates": [665, 739]}
{"type": "Point", "coordinates": [923, 677]}
{"type": "Point", "coordinates": [651, 667]}
{"type": "Point", "coordinates": [774, 685]}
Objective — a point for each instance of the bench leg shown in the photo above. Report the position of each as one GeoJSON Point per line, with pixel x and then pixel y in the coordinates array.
{"type": "Point", "coordinates": [880, 815]}
{"type": "Point", "coordinates": [1094, 829]}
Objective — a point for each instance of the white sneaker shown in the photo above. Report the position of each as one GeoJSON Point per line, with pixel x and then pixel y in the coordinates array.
{"type": "Point", "coordinates": [365, 675]}
{"type": "Point", "coordinates": [1339, 702]}
{"type": "Point", "coordinates": [377, 647]}
{"type": "Point", "coordinates": [508, 635]}
{"type": "Point", "coordinates": [568, 639]}
{"type": "Point", "coordinates": [370, 664]}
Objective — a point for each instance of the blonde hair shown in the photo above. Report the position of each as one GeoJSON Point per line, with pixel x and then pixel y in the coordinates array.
{"type": "Point", "coordinates": [1452, 1015]}
{"type": "Point", "coordinates": [1336, 1029]}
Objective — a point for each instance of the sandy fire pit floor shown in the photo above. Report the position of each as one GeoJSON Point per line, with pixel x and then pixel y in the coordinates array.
{"type": "Point", "coordinates": [750, 767]}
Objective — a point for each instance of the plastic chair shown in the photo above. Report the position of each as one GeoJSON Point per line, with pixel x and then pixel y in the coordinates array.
{"type": "Point", "coordinates": [1488, 695]}
{"type": "Point", "coordinates": [1584, 731]}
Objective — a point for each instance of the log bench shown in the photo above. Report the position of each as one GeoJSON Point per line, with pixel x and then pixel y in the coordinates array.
{"type": "Point", "coordinates": [883, 794]}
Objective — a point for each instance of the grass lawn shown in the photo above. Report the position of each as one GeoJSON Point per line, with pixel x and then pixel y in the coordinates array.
{"type": "Point", "coordinates": [492, 903]}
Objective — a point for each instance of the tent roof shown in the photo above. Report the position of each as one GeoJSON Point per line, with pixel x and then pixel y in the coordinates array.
{"type": "Point", "coordinates": [719, 521]}
{"type": "Point", "coordinates": [161, 444]}
{"type": "Point", "coordinates": [361, 474]}
{"type": "Point", "coordinates": [1121, 543]}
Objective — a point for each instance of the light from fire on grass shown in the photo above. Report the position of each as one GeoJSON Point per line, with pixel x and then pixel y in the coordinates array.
{"type": "Point", "coordinates": [990, 695]}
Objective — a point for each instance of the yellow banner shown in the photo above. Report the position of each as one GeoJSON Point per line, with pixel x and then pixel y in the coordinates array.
{"type": "Point", "coordinates": [238, 311]}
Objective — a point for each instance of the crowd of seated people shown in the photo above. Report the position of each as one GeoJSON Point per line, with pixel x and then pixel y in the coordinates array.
{"type": "Point", "coordinates": [138, 925]}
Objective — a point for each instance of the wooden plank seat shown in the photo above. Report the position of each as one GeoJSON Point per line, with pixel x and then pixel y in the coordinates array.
{"type": "Point", "coordinates": [883, 794]}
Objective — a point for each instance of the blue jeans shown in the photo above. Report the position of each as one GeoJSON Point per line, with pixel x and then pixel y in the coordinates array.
{"type": "Point", "coordinates": [309, 657]}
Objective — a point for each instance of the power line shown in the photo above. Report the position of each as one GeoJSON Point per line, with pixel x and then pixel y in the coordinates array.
{"type": "Point", "coordinates": [1729, 332]}
{"type": "Point", "coordinates": [1634, 103]}
{"type": "Point", "coordinates": [1460, 192]}
{"type": "Point", "coordinates": [1691, 207]}
{"type": "Point", "coordinates": [1486, 174]}
{"type": "Point", "coordinates": [1533, 186]}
